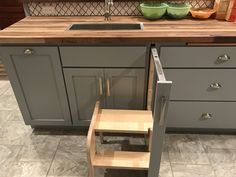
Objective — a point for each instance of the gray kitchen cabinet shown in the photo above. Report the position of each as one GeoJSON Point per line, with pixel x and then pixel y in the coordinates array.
{"type": "Point", "coordinates": [116, 88]}
{"type": "Point", "coordinates": [37, 80]}
{"type": "Point", "coordinates": [84, 88]}
{"type": "Point", "coordinates": [125, 88]}
{"type": "Point", "coordinates": [202, 95]}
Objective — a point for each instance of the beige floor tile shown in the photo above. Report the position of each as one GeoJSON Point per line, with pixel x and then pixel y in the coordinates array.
{"type": "Point", "coordinates": [5, 115]}
{"type": "Point", "coordinates": [4, 86]}
{"type": "Point", "coordinates": [221, 156]}
{"type": "Point", "coordinates": [226, 170]}
{"type": "Point", "coordinates": [192, 170]}
{"type": "Point", "coordinates": [186, 149]}
{"type": "Point", "coordinates": [39, 148]}
{"type": "Point", "coordinates": [9, 91]}
{"type": "Point", "coordinates": [218, 141]}
{"type": "Point", "coordinates": [16, 115]}
{"type": "Point", "coordinates": [69, 163]}
{"type": "Point", "coordinates": [9, 102]}
{"type": "Point", "coordinates": [165, 171]}
{"type": "Point", "coordinates": [15, 133]}
{"type": "Point", "coordinates": [73, 140]}
{"type": "Point", "coordinates": [8, 154]}
{"type": "Point", "coordinates": [29, 169]}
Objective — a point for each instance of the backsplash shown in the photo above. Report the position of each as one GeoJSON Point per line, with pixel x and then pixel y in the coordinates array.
{"type": "Point", "coordinates": [77, 8]}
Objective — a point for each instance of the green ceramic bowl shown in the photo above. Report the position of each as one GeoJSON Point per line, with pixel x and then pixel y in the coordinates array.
{"type": "Point", "coordinates": [153, 11]}
{"type": "Point", "coordinates": [178, 10]}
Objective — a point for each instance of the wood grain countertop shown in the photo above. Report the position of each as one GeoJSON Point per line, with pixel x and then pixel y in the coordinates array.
{"type": "Point", "coordinates": [54, 30]}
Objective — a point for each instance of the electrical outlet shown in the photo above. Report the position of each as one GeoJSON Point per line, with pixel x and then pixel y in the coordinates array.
{"type": "Point", "coordinates": [48, 10]}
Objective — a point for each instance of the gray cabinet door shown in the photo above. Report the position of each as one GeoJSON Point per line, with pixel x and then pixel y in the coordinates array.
{"type": "Point", "coordinates": [37, 80]}
{"type": "Point", "coordinates": [84, 87]}
{"type": "Point", "coordinates": [125, 88]}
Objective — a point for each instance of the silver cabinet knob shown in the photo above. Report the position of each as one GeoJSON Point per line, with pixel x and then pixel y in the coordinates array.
{"type": "Point", "coordinates": [28, 52]}
{"type": "Point", "coordinates": [206, 116]}
{"type": "Point", "coordinates": [215, 85]}
{"type": "Point", "coordinates": [223, 58]}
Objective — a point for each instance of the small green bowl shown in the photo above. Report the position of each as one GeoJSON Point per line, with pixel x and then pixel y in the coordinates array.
{"type": "Point", "coordinates": [178, 10]}
{"type": "Point", "coordinates": [153, 11]}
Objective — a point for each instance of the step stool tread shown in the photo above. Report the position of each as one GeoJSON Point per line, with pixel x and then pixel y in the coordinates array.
{"type": "Point", "coordinates": [124, 121]}
{"type": "Point", "coordinates": [122, 160]}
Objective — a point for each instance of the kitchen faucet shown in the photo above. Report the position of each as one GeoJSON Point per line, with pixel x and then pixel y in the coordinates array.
{"type": "Point", "coordinates": [108, 4]}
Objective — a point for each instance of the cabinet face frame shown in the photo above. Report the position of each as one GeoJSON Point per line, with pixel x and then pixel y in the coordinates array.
{"type": "Point", "coordinates": [51, 55]}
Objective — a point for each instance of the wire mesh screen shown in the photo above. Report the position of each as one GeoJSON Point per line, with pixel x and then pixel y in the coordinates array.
{"type": "Point", "coordinates": [122, 8]}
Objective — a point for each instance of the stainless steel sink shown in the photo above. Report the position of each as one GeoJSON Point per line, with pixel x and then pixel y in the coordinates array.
{"type": "Point", "coordinates": [107, 26]}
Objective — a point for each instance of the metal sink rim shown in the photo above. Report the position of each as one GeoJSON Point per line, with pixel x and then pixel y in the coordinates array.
{"type": "Point", "coordinates": [107, 26]}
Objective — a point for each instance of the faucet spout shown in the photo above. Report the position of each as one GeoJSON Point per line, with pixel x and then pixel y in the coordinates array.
{"type": "Point", "coordinates": [108, 5]}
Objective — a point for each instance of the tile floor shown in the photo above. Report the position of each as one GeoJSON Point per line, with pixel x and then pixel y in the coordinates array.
{"type": "Point", "coordinates": [25, 152]}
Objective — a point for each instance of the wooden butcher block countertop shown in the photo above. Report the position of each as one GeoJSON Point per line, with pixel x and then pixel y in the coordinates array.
{"type": "Point", "coordinates": [48, 30]}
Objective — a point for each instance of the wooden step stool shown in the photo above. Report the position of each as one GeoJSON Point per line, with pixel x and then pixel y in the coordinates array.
{"type": "Point", "coordinates": [150, 123]}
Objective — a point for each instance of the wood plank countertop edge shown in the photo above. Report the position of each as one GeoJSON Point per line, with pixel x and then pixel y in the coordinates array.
{"type": "Point", "coordinates": [54, 30]}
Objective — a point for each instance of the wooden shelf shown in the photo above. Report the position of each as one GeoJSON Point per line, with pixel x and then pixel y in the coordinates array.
{"type": "Point", "coordinates": [122, 160]}
{"type": "Point", "coordinates": [124, 121]}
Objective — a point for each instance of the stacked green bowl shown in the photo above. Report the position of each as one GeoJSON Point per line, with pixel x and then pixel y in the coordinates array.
{"type": "Point", "coordinates": [152, 10]}
{"type": "Point", "coordinates": [178, 10]}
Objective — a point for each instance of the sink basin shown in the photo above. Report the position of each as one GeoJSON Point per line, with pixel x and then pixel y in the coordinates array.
{"type": "Point", "coordinates": [107, 26]}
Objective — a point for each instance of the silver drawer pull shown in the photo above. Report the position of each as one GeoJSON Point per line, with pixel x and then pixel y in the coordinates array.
{"type": "Point", "coordinates": [223, 58]}
{"type": "Point", "coordinates": [28, 52]}
{"type": "Point", "coordinates": [206, 116]}
{"type": "Point", "coordinates": [108, 87]}
{"type": "Point", "coordinates": [100, 86]}
{"type": "Point", "coordinates": [215, 85]}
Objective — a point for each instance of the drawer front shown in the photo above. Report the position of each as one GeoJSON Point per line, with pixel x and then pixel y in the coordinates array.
{"type": "Point", "coordinates": [201, 84]}
{"type": "Point", "coordinates": [198, 57]}
{"type": "Point", "coordinates": [221, 115]}
{"type": "Point", "coordinates": [103, 56]}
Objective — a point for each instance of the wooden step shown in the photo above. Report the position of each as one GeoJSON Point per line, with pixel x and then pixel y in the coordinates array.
{"type": "Point", "coordinates": [124, 121]}
{"type": "Point", "coordinates": [122, 160]}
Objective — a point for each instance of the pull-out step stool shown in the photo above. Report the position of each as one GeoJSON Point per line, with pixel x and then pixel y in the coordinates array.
{"type": "Point", "coordinates": [149, 123]}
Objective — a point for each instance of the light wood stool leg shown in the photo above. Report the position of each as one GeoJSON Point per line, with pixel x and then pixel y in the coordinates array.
{"type": "Point", "coordinates": [149, 139]}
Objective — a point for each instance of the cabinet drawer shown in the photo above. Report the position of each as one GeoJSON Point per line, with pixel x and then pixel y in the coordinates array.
{"type": "Point", "coordinates": [103, 56]}
{"type": "Point", "coordinates": [199, 84]}
{"type": "Point", "coordinates": [196, 57]}
{"type": "Point", "coordinates": [193, 115]}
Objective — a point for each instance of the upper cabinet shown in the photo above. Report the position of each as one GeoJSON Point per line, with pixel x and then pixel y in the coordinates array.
{"type": "Point", "coordinates": [37, 79]}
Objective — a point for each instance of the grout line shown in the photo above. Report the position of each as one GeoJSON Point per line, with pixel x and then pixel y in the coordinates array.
{"type": "Point", "coordinates": [169, 157]}
{"type": "Point", "coordinates": [207, 155]}
{"type": "Point", "coordinates": [54, 155]}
